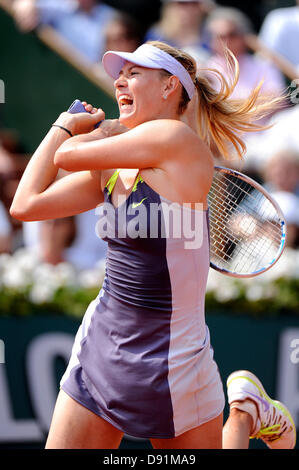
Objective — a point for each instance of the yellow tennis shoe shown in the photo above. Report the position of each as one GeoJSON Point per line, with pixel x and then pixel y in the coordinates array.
{"type": "Point", "coordinates": [274, 423]}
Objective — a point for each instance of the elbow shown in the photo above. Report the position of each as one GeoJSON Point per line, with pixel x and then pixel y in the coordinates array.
{"type": "Point", "coordinates": [18, 213]}
{"type": "Point", "coordinates": [62, 159]}
{"type": "Point", "coordinates": [69, 157]}
{"type": "Point", "coordinates": [59, 158]}
{"type": "Point", "coordinates": [21, 211]}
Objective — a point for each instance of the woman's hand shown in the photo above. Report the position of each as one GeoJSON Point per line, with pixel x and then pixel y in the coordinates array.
{"type": "Point", "coordinates": [81, 123]}
{"type": "Point", "coordinates": [64, 156]}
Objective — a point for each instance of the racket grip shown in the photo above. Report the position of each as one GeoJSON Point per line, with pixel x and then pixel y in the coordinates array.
{"type": "Point", "coordinates": [77, 107]}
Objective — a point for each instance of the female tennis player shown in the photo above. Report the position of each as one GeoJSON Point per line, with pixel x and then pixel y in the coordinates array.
{"type": "Point", "coordinates": [142, 362]}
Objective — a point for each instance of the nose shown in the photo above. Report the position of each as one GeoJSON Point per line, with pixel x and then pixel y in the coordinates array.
{"type": "Point", "coordinates": [120, 82]}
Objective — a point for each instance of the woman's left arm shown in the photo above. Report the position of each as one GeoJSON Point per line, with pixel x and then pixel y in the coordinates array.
{"type": "Point", "coordinates": [148, 145]}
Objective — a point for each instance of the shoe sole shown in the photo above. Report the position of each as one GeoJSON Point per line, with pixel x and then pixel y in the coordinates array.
{"type": "Point", "coordinates": [245, 374]}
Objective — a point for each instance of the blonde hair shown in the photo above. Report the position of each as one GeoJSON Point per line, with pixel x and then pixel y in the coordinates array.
{"type": "Point", "coordinates": [223, 120]}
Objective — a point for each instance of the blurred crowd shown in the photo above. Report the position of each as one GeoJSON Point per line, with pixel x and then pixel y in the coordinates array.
{"type": "Point", "coordinates": [204, 29]}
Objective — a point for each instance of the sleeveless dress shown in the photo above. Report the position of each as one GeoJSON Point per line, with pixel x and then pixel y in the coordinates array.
{"type": "Point", "coordinates": [142, 358]}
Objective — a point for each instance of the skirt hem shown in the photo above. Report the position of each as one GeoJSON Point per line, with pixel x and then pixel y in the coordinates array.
{"type": "Point", "coordinates": [128, 431]}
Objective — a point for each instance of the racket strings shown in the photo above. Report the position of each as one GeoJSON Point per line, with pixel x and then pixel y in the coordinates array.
{"type": "Point", "coordinates": [244, 263]}
{"type": "Point", "coordinates": [245, 227]}
{"type": "Point", "coordinates": [227, 205]}
{"type": "Point", "coordinates": [251, 204]}
{"type": "Point", "coordinates": [227, 209]}
{"type": "Point", "coordinates": [231, 237]}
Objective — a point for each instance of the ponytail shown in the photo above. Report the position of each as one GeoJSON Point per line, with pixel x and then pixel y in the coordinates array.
{"type": "Point", "coordinates": [223, 120]}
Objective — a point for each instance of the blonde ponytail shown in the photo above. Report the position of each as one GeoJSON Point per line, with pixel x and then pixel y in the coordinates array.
{"type": "Point", "coordinates": [222, 119]}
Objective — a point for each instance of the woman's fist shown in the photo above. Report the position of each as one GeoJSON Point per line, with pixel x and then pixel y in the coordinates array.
{"type": "Point", "coordinates": [81, 123]}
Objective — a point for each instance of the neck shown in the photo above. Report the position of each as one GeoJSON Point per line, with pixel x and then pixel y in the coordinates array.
{"type": "Point", "coordinates": [190, 116]}
{"type": "Point", "coordinates": [169, 108]}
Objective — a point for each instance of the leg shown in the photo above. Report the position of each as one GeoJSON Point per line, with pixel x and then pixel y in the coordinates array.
{"type": "Point", "coordinates": [254, 414]}
{"type": "Point", "coordinates": [75, 427]}
{"type": "Point", "coordinates": [206, 436]}
{"type": "Point", "coordinates": [237, 430]}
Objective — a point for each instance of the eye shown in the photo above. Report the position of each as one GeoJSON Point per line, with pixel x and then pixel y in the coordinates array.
{"type": "Point", "coordinates": [134, 72]}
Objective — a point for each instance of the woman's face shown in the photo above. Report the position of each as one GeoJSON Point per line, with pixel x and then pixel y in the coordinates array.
{"type": "Point", "coordinates": [224, 34]}
{"type": "Point", "coordinates": [283, 172]}
{"type": "Point", "coordinates": [139, 93]}
{"type": "Point", "coordinates": [119, 38]}
{"type": "Point", "coordinates": [188, 14]}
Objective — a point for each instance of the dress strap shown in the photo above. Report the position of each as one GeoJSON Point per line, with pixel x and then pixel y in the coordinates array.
{"type": "Point", "coordinates": [112, 180]}
{"type": "Point", "coordinates": [139, 178]}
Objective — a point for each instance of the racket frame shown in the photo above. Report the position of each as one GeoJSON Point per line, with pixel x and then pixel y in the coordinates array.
{"type": "Point", "coordinates": [282, 221]}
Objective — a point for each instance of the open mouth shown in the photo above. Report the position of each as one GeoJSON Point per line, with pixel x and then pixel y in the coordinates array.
{"type": "Point", "coordinates": [125, 102]}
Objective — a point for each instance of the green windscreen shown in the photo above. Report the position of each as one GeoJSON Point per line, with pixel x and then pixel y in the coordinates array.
{"type": "Point", "coordinates": [39, 85]}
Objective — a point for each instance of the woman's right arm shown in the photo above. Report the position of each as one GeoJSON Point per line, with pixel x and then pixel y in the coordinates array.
{"type": "Point", "coordinates": [40, 195]}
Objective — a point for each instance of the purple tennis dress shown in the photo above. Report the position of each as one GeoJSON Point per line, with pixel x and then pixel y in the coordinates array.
{"type": "Point", "coordinates": [142, 358]}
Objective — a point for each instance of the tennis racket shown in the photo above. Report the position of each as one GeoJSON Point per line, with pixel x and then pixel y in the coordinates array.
{"type": "Point", "coordinates": [247, 226]}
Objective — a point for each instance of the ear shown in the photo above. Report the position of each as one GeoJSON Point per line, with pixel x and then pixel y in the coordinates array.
{"type": "Point", "coordinates": [171, 84]}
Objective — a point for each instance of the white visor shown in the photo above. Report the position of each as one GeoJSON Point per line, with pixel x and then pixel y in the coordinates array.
{"type": "Point", "coordinates": [151, 57]}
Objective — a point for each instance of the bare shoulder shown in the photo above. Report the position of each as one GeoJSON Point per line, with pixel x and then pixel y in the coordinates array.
{"type": "Point", "coordinates": [179, 132]}
{"type": "Point", "coordinates": [185, 141]}
{"type": "Point", "coordinates": [188, 167]}
{"type": "Point", "coordinates": [168, 128]}
{"type": "Point", "coordinates": [172, 134]}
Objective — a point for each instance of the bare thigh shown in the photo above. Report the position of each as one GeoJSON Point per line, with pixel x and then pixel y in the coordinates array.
{"type": "Point", "coordinates": [206, 436]}
{"type": "Point", "coordinates": [75, 427]}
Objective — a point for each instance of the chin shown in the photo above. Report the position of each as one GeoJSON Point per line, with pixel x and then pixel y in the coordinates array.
{"type": "Point", "coordinates": [128, 121]}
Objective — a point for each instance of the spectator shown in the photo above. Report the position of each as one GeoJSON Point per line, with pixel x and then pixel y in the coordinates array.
{"type": "Point", "coordinates": [12, 164]}
{"type": "Point", "coordinates": [70, 239]}
{"type": "Point", "coordinates": [54, 241]}
{"type": "Point", "coordinates": [60, 240]}
{"type": "Point", "coordinates": [49, 238]}
{"type": "Point", "coordinates": [283, 134]}
{"type": "Point", "coordinates": [281, 179]}
{"type": "Point", "coordinates": [87, 249]}
{"type": "Point", "coordinates": [80, 22]}
{"type": "Point", "coordinates": [5, 231]}
{"type": "Point", "coordinates": [289, 204]}
{"type": "Point", "coordinates": [282, 172]}
{"type": "Point", "coordinates": [6, 162]}
{"type": "Point", "coordinates": [123, 33]}
{"type": "Point", "coordinates": [181, 26]}
{"type": "Point", "coordinates": [227, 28]}
{"type": "Point", "coordinates": [280, 32]}
{"type": "Point", "coordinates": [82, 247]}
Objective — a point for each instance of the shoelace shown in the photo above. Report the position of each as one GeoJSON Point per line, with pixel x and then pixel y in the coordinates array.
{"type": "Point", "coordinates": [268, 431]}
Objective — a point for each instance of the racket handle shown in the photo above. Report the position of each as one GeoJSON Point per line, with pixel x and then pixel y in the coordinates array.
{"type": "Point", "coordinates": [77, 107]}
